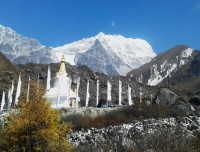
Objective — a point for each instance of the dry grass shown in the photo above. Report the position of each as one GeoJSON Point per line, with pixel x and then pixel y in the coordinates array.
{"type": "Point", "coordinates": [121, 116]}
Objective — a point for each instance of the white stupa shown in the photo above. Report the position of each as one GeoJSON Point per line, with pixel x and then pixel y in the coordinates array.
{"type": "Point", "coordinates": [61, 95]}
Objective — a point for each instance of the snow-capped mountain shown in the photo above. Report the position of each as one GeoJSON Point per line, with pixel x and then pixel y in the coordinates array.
{"type": "Point", "coordinates": [163, 66]}
{"type": "Point", "coordinates": [113, 54]}
{"type": "Point", "coordinates": [98, 59]}
{"type": "Point", "coordinates": [109, 54]}
{"type": "Point", "coordinates": [19, 49]}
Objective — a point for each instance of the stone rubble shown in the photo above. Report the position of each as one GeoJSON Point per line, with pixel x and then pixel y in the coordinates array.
{"type": "Point", "coordinates": [126, 132]}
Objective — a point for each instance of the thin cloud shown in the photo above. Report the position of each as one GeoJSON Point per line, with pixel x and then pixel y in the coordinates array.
{"type": "Point", "coordinates": [113, 23]}
{"type": "Point", "coordinates": [197, 7]}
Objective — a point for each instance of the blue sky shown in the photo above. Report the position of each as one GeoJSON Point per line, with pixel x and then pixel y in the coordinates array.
{"type": "Point", "coordinates": [162, 23]}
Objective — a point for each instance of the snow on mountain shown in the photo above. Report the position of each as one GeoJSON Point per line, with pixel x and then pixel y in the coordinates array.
{"type": "Point", "coordinates": [98, 59]}
{"type": "Point", "coordinates": [163, 65]}
{"type": "Point", "coordinates": [19, 49]}
{"type": "Point", "coordinates": [109, 54]}
{"type": "Point", "coordinates": [131, 53]}
{"type": "Point", "coordinates": [168, 67]}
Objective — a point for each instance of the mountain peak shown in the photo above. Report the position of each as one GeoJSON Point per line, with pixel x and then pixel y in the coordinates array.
{"type": "Point", "coordinates": [132, 52]}
{"type": "Point", "coordinates": [100, 34]}
{"type": "Point", "coordinates": [21, 50]}
{"type": "Point", "coordinates": [163, 65]}
{"type": "Point", "coordinates": [6, 29]}
{"type": "Point", "coordinates": [1, 26]}
{"type": "Point", "coordinates": [97, 42]}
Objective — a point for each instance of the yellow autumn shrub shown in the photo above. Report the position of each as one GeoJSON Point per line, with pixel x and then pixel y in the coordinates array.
{"type": "Point", "coordinates": [34, 126]}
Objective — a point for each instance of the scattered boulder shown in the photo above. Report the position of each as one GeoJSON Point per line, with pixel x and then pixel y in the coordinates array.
{"type": "Point", "coordinates": [195, 101]}
{"type": "Point", "coordinates": [136, 135]}
{"type": "Point", "coordinates": [165, 97]}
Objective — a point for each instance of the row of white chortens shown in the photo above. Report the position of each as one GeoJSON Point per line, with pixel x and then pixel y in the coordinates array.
{"type": "Point", "coordinates": [61, 95]}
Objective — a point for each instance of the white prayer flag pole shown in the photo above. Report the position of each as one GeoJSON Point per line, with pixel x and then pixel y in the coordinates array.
{"type": "Point", "coordinates": [77, 91]}
{"type": "Point", "coordinates": [140, 79]}
{"type": "Point", "coordinates": [120, 93]}
{"type": "Point", "coordinates": [151, 98]}
{"type": "Point", "coordinates": [97, 97]}
{"type": "Point", "coordinates": [9, 91]}
{"type": "Point", "coordinates": [28, 89]}
{"type": "Point", "coordinates": [18, 89]}
{"type": "Point", "coordinates": [37, 85]}
{"type": "Point", "coordinates": [58, 95]}
{"type": "Point", "coordinates": [109, 87]}
{"type": "Point", "coordinates": [3, 100]}
{"type": "Point", "coordinates": [48, 79]}
{"type": "Point", "coordinates": [87, 94]}
{"type": "Point", "coordinates": [129, 96]}
{"type": "Point", "coordinates": [140, 96]}
{"type": "Point", "coordinates": [10, 95]}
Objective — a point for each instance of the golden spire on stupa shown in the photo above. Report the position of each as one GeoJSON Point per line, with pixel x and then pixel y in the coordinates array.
{"type": "Point", "coordinates": [62, 69]}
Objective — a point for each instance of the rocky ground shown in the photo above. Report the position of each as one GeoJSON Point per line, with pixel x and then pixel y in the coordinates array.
{"type": "Point", "coordinates": [147, 135]}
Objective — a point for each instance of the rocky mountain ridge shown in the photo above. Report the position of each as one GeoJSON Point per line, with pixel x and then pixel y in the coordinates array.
{"type": "Point", "coordinates": [22, 50]}
{"type": "Point", "coordinates": [120, 54]}
{"type": "Point", "coordinates": [163, 66]}
{"type": "Point", "coordinates": [131, 53]}
{"type": "Point", "coordinates": [186, 79]}
{"type": "Point", "coordinates": [86, 73]}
